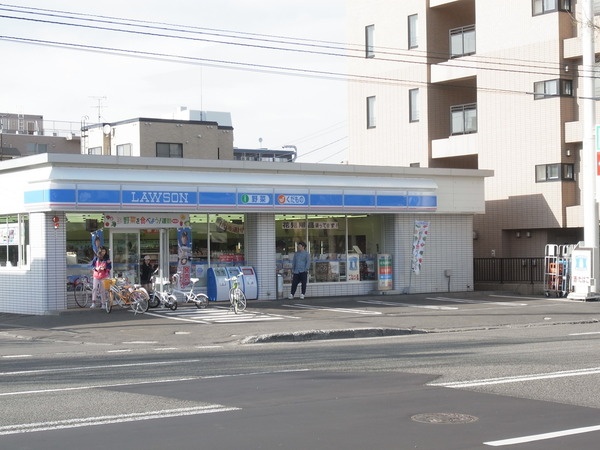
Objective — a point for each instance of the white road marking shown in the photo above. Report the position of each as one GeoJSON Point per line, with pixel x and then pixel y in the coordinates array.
{"type": "Point", "coordinates": [16, 356]}
{"type": "Point", "coordinates": [106, 366]}
{"type": "Point", "coordinates": [411, 305]}
{"type": "Point", "coordinates": [98, 386]}
{"type": "Point", "coordinates": [543, 436]}
{"type": "Point", "coordinates": [476, 302]}
{"type": "Point", "coordinates": [118, 418]}
{"type": "Point", "coordinates": [343, 310]}
{"type": "Point", "coordinates": [519, 378]}
{"type": "Point", "coordinates": [583, 334]}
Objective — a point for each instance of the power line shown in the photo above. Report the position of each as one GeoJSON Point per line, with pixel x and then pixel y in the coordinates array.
{"type": "Point", "coordinates": [415, 56]}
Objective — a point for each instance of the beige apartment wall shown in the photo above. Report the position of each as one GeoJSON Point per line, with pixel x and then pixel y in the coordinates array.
{"type": "Point", "coordinates": [394, 140]}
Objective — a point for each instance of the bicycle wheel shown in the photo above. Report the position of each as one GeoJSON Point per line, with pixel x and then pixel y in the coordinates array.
{"type": "Point", "coordinates": [109, 302]}
{"type": "Point", "coordinates": [232, 299]}
{"type": "Point", "coordinates": [154, 300]}
{"type": "Point", "coordinates": [201, 301]}
{"type": "Point", "coordinates": [139, 301]}
{"type": "Point", "coordinates": [83, 294]}
{"type": "Point", "coordinates": [239, 301]}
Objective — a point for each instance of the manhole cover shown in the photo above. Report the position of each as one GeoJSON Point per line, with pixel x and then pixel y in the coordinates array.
{"type": "Point", "coordinates": [443, 418]}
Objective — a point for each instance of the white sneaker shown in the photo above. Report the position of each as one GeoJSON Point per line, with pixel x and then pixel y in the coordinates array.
{"type": "Point", "coordinates": [301, 296]}
{"type": "Point", "coordinates": [93, 305]}
{"type": "Point", "coordinates": [291, 297]}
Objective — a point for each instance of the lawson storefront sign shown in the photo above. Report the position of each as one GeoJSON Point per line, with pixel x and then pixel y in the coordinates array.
{"type": "Point", "coordinates": [240, 199]}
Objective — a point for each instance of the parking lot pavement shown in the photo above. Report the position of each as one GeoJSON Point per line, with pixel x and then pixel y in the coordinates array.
{"type": "Point", "coordinates": [311, 318]}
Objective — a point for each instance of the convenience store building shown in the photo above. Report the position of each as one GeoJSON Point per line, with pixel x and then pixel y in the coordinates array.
{"type": "Point", "coordinates": [233, 213]}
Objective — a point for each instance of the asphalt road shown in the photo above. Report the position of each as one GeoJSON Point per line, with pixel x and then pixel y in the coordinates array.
{"type": "Point", "coordinates": [460, 371]}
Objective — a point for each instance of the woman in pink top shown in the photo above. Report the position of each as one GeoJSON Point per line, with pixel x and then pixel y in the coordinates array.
{"type": "Point", "coordinates": [101, 265]}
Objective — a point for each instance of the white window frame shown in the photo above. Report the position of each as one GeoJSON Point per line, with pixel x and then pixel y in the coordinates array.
{"type": "Point", "coordinates": [371, 118]}
{"type": "Point", "coordinates": [413, 31]}
{"type": "Point", "coordinates": [413, 105]}
{"type": "Point", "coordinates": [370, 41]}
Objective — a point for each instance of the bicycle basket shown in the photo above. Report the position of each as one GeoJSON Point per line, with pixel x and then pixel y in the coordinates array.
{"type": "Point", "coordinates": [108, 282]}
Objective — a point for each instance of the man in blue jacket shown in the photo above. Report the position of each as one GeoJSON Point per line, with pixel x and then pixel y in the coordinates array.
{"type": "Point", "coordinates": [300, 265]}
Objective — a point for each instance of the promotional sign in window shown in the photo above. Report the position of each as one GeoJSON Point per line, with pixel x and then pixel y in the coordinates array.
{"type": "Point", "coordinates": [384, 272]}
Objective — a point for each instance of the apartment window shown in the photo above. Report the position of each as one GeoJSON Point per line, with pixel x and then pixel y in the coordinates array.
{"type": "Point", "coordinates": [370, 112]}
{"type": "Point", "coordinates": [462, 41]}
{"type": "Point", "coordinates": [548, 6]}
{"type": "Point", "coordinates": [124, 150]}
{"type": "Point", "coordinates": [413, 31]}
{"type": "Point", "coordinates": [554, 172]}
{"type": "Point", "coordinates": [463, 119]}
{"type": "Point", "coordinates": [413, 104]}
{"type": "Point", "coordinates": [34, 148]}
{"type": "Point", "coordinates": [169, 150]}
{"type": "Point", "coordinates": [369, 43]}
{"type": "Point", "coordinates": [552, 88]}
{"type": "Point", "coordinates": [95, 151]}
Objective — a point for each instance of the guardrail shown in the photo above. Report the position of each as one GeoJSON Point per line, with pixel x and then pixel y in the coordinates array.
{"type": "Point", "coordinates": [508, 270]}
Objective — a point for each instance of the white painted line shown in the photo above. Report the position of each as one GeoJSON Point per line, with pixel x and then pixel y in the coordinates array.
{"type": "Point", "coordinates": [106, 366]}
{"type": "Point", "coordinates": [140, 342]}
{"type": "Point", "coordinates": [165, 348]}
{"type": "Point", "coordinates": [475, 302]}
{"type": "Point", "coordinates": [410, 305]}
{"type": "Point", "coordinates": [119, 418]}
{"type": "Point", "coordinates": [119, 351]}
{"type": "Point", "coordinates": [343, 310]}
{"type": "Point", "coordinates": [543, 436]}
{"type": "Point", "coordinates": [98, 386]}
{"type": "Point", "coordinates": [519, 378]}
{"type": "Point", "coordinates": [183, 319]}
{"type": "Point", "coordinates": [583, 334]}
{"type": "Point", "coordinates": [17, 356]}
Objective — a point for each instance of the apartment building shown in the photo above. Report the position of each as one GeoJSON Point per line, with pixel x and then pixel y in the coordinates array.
{"type": "Point", "coordinates": [477, 84]}
{"type": "Point", "coordinates": [29, 134]}
{"type": "Point", "coordinates": [188, 134]}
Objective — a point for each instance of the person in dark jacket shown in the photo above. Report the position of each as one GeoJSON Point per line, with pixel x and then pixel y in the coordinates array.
{"type": "Point", "coordinates": [300, 266]}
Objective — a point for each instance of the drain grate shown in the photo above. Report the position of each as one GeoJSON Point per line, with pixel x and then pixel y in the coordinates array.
{"type": "Point", "coordinates": [444, 418]}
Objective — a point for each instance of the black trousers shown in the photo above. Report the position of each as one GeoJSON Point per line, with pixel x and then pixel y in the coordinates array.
{"type": "Point", "coordinates": [299, 278]}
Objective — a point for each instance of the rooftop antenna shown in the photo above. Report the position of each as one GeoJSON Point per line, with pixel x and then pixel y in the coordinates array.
{"type": "Point", "coordinates": [99, 106]}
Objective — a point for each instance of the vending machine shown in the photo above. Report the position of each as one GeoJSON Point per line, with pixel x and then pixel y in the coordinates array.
{"type": "Point", "coordinates": [217, 286]}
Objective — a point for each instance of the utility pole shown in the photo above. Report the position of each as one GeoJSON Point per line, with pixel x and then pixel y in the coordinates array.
{"type": "Point", "coordinates": [589, 167]}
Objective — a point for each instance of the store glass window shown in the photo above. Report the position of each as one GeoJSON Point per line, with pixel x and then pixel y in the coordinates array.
{"type": "Point", "coordinates": [14, 240]}
{"type": "Point", "coordinates": [342, 248]}
{"type": "Point", "coordinates": [227, 235]}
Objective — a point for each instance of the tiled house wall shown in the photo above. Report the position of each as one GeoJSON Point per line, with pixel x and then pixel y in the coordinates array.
{"type": "Point", "coordinates": [39, 288]}
{"type": "Point", "coordinates": [449, 245]}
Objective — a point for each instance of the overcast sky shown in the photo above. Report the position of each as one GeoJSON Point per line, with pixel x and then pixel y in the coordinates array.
{"type": "Point", "coordinates": [155, 74]}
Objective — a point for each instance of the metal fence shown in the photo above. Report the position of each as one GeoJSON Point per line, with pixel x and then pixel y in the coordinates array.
{"type": "Point", "coordinates": [508, 270]}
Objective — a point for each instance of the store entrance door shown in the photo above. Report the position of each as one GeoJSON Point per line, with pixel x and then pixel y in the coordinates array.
{"type": "Point", "coordinates": [125, 254]}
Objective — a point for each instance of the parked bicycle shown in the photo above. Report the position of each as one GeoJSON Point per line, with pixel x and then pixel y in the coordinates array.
{"type": "Point", "coordinates": [126, 295]}
{"type": "Point", "coordinates": [82, 291]}
{"type": "Point", "coordinates": [237, 298]}
{"type": "Point", "coordinates": [199, 299]}
{"type": "Point", "coordinates": [161, 293]}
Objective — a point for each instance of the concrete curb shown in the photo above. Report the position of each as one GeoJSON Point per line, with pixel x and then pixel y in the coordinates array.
{"type": "Point", "coordinates": [316, 335]}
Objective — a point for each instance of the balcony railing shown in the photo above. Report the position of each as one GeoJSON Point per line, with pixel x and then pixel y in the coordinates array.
{"type": "Point", "coordinates": [462, 41]}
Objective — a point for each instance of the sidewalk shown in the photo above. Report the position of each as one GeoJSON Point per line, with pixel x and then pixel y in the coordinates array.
{"type": "Point", "coordinates": [309, 319]}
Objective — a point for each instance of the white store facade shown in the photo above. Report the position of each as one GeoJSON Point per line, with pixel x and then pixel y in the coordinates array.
{"type": "Point", "coordinates": [234, 213]}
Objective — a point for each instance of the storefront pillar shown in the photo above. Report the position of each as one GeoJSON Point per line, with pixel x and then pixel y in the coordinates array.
{"type": "Point", "coordinates": [260, 252]}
